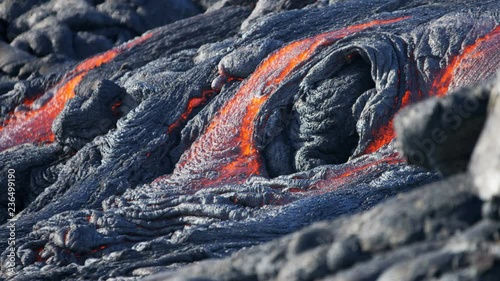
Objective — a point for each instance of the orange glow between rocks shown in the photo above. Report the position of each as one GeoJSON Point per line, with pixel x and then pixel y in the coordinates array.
{"type": "Point", "coordinates": [230, 133]}
{"type": "Point", "coordinates": [34, 124]}
{"type": "Point", "coordinates": [350, 172]}
{"type": "Point", "coordinates": [39, 255]}
{"type": "Point", "coordinates": [335, 179]}
{"type": "Point", "coordinates": [193, 103]}
{"type": "Point", "coordinates": [386, 134]}
{"type": "Point", "coordinates": [447, 79]}
{"type": "Point", "coordinates": [114, 108]}
{"type": "Point", "coordinates": [382, 136]}
{"type": "Point", "coordinates": [99, 249]}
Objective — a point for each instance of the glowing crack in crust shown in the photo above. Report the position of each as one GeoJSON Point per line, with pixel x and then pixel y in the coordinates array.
{"type": "Point", "coordinates": [466, 68]}
{"type": "Point", "coordinates": [228, 139]}
{"type": "Point", "coordinates": [33, 125]}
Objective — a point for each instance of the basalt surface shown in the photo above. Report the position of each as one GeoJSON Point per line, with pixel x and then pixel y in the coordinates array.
{"type": "Point", "coordinates": [236, 127]}
{"type": "Point", "coordinates": [441, 231]}
{"type": "Point", "coordinates": [39, 36]}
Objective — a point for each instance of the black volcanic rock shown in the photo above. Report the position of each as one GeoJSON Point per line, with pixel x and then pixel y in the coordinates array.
{"type": "Point", "coordinates": [74, 29]}
{"type": "Point", "coordinates": [264, 7]}
{"type": "Point", "coordinates": [429, 232]}
{"type": "Point", "coordinates": [212, 5]}
{"type": "Point", "coordinates": [101, 108]}
{"type": "Point", "coordinates": [244, 60]}
{"type": "Point", "coordinates": [442, 231]}
{"type": "Point", "coordinates": [200, 138]}
{"type": "Point", "coordinates": [13, 59]}
{"type": "Point", "coordinates": [484, 165]}
{"type": "Point", "coordinates": [441, 133]}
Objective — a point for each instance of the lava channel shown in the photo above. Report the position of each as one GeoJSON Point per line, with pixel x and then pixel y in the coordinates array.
{"type": "Point", "coordinates": [469, 67]}
{"type": "Point", "coordinates": [226, 151]}
{"type": "Point", "coordinates": [33, 125]}
{"type": "Point", "coordinates": [472, 65]}
{"type": "Point", "coordinates": [193, 103]}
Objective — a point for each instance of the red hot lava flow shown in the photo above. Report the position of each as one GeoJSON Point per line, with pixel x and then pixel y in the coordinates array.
{"type": "Point", "coordinates": [385, 134]}
{"type": "Point", "coordinates": [471, 65]}
{"type": "Point", "coordinates": [227, 145]}
{"type": "Point", "coordinates": [466, 68]}
{"type": "Point", "coordinates": [34, 125]}
{"type": "Point", "coordinates": [193, 103]}
{"type": "Point", "coordinates": [335, 178]}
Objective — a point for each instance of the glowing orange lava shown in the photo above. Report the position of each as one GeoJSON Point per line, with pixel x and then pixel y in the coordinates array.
{"type": "Point", "coordinates": [99, 249]}
{"type": "Point", "coordinates": [34, 125]}
{"type": "Point", "coordinates": [386, 134]}
{"type": "Point", "coordinates": [193, 103]}
{"type": "Point", "coordinates": [406, 100]}
{"type": "Point", "coordinates": [228, 139]}
{"type": "Point", "coordinates": [471, 57]}
{"type": "Point", "coordinates": [335, 179]}
{"type": "Point", "coordinates": [465, 69]}
{"type": "Point", "coordinates": [382, 136]}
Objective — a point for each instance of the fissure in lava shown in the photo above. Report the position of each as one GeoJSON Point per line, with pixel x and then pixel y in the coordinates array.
{"type": "Point", "coordinates": [33, 125]}
{"type": "Point", "coordinates": [464, 69]}
{"type": "Point", "coordinates": [228, 139]}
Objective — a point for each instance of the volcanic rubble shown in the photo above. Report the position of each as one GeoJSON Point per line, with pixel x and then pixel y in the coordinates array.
{"type": "Point", "coordinates": [249, 140]}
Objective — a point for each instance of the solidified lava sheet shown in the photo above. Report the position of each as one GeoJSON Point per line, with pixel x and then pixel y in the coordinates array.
{"type": "Point", "coordinates": [166, 134]}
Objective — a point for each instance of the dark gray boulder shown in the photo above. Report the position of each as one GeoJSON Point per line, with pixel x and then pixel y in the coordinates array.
{"type": "Point", "coordinates": [441, 133]}
{"type": "Point", "coordinates": [442, 231]}
{"type": "Point", "coordinates": [484, 165]}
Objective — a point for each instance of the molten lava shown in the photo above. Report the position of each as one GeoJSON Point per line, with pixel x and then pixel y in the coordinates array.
{"type": "Point", "coordinates": [336, 178]}
{"type": "Point", "coordinates": [467, 68]}
{"type": "Point", "coordinates": [34, 125]}
{"type": "Point", "coordinates": [385, 134]}
{"type": "Point", "coordinates": [382, 136]}
{"type": "Point", "coordinates": [228, 139]}
{"type": "Point", "coordinates": [193, 103]}
{"type": "Point", "coordinates": [99, 249]}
